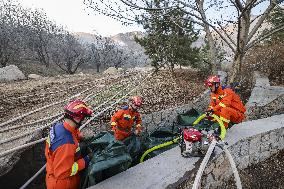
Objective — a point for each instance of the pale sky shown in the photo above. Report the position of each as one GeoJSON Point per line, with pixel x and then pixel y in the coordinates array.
{"type": "Point", "coordinates": [71, 13]}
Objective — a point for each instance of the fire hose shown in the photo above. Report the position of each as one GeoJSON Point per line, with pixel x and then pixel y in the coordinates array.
{"type": "Point", "coordinates": [201, 169]}
{"type": "Point", "coordinates": [222, 136]}
{"type": "Point", "coordinates": [84, 125]}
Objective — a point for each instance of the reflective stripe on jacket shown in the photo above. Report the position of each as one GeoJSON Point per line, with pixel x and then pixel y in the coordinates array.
{"type": "Point", "coordinates": [226, 98]}
{"type": "Point", "coordinates": [63, 156]}
{"type": "Point", "coordinates": [125, 118]}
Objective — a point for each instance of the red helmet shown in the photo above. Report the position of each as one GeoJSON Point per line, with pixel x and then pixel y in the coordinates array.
{"type": "Point", "coordinates": [77, 109]}
{"type": "Point", "coordinates": [211, 80]}
{"type": "Point", "coordinates": [136, 100]}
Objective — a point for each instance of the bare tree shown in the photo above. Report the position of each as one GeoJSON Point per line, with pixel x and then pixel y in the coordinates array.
{"type": "Point", "coordinates": [40, 33]}
{"type": "Point", "coordinates": [239, 14]}
{"type": "Point", "coordinates": [68, 53]}
{"type": "Point", "coordinates": [102, 52]}
{"type": "Point", "coordinates": [9, 31]}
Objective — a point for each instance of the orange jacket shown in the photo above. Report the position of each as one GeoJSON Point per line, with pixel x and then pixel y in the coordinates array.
{"type": "Point", "coordinates": [63, 158]}
{"type": "Point", "coordinates": [226, 98]}
{"type": "Point", "coordinates": [125, 118]}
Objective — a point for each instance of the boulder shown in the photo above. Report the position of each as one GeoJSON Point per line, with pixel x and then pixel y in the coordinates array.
{"type": "Point", "coordinates": [34, 76]}
{"type": "Point", "coordinates": [11, 73]}
{"type": "Point", "coordinates": [120, 70]}
{"type": "Point", "coordinates": [111, 71]}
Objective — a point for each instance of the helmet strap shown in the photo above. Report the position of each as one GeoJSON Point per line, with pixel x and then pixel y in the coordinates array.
{"type": "Point", "coordinates": [71, 118]}
{"type": "Point", "coordinates": [216, 86]}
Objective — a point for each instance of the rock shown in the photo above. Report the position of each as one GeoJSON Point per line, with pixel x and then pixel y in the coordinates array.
{"type": "Point", "coordinates": [11, 73]}
{"type": "Point", "coordinates": [111, 71]}
{"type": "Point", "coordinates": [120, 70]}
{"type": "Point", "coordinates": [81, 74]}
{"type": "Point", "coordinates": [34, 76]}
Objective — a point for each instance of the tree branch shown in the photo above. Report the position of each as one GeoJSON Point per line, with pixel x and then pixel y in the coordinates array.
{"type": "Point", "coordinates": [214, 28]}
{"type": "Point", "coordinates": [264, 36]}
{"type": "Point", "coordinates": [239, 5]}
{"type": "Point", "coordinates": [227, 35]}
{"type": "Point", "coordinates": [187, 5]}
{"type": "Point", "coordinates": [130, 4]}
{"type": "Point", "coordinates": [261, 19]}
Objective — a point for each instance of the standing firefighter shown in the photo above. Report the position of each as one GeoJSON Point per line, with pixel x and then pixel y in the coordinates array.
{"type": "Point", "coordinates": [224, 102]}
{"type": "Point", "coordinates": [62, 149]}
{"type": "Point", "coordinates": [124, 119]}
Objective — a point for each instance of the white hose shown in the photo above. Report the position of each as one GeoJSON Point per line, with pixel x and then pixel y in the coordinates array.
{"type": "Point", "coordinates": [47, 106]}
{"type": "Point", "coordinates": [90, 97]}
{"type": "Point", "coordinates": [92, 118]}
{"type": "Point", "coordinates": [234, 168]}
{"type": "Point", "coordinates": [33, 177]}
{"type": "Point", "coordinates": [30, 123]}
{"type": "Point", "coordinates": [38, 141]}
{"type": "Point", "coordinates": [21, 147]}
{"type": "Point", "coordinates": [203, 165]}
{"type": "Point", "coordinates": [36, 110]}
{"type": "Point", "coordinates": [49, 124]}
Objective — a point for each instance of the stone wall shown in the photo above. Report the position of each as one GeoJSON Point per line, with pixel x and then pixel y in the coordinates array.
{"type": "Point", "coordinates": [245, 152]}
{"type": "Point", "coordinates": [250, 142]}
{"type": "Point", "coordinates": [265, 100]}
{"type": "Point", "coordinates": [167, 117]}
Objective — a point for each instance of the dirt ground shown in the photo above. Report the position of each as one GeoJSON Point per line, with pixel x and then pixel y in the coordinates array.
{"type": "Point", "coordinates": [266, 174]}
{"type": "Point", "coordinates": [159, 91]}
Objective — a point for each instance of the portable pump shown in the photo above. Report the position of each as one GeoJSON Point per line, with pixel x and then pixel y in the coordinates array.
{"type": "Point", "coordinates": [193, 142]}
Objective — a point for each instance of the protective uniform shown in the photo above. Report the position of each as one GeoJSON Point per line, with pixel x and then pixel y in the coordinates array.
{"type": "Point", "coordinates": [228, 105]}
{"type": "Point", "coordinates": [63, 161]}
{"type": "Point", "coordinates": [123, 120]}
{"type": "Point", "coordinates": [62, 151]}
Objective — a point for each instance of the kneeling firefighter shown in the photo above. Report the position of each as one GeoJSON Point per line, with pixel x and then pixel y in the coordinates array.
{"type": "Point", "coordinates": [224, 102]}
{"type": "Point", "coordinates": [124, 119]}
{"type": "Point", "coordinates": [62, 149]}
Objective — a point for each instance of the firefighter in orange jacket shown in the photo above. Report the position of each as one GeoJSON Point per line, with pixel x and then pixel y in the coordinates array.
{"type": "Point", "coordinates": [62, 151]}
{"type": "Point", "coordinates": [124, 119]}
{"type": "Point", "coordinates": [224, 102]}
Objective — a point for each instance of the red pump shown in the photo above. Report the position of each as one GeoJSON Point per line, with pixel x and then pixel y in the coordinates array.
{"type": "Point", "coordinates": [193, 142]}
{"type": "Point", "coordinates": [192, 135]}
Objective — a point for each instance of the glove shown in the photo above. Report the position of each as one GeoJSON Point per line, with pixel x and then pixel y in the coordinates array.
{"type": "Point", "coordinates": [211, 137]}
{"type": "Point", "coordinates": [209, 112]}
{"type": "Point", "coordinates": [217, 137]}
{"type": "Point", "coordinates": [88, 157]}
{"type": "Point", "coordinates": [90, 152]}
{"type": "Point", "coordinates": [137, 132]}
{"type": "Point", "coordinates": [83, 148]}
{"type": "Point", "coordinates": [138, 129]}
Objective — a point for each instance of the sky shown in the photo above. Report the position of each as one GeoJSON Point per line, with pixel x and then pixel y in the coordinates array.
{"type": "Point", "coordinates": [72, 14]}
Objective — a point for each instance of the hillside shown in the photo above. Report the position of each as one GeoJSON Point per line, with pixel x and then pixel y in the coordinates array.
{"type": "Point", "coordinates": [160, 91]}
{"type": "Point", "coordinates": [29, 107]}
{"type": "Point", "coordinates": [124, 41]}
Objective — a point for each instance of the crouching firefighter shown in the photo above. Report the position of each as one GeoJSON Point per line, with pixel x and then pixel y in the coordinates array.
{"type": "Point", "coordinates": [62, 149]}
{"type": "Point", "coordinates": [224, 102]}
{"type": "Point", "coordinates": [124, 119]}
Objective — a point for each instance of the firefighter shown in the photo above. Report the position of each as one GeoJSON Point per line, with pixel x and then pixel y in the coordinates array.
{"type": "Point", "coordinates": [62, 149]}
{"type": "Point", "coordinates": [124, 119]}
{"type": "Point", "coordinates": [224, 102]}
